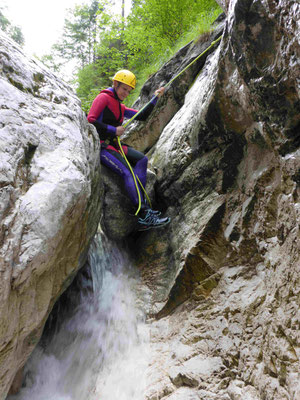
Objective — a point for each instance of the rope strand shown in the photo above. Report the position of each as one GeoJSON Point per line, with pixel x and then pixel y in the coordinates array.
{"type": "Point", "coordinates": [172, 80]}
{"type": "Point", "coordinates": [142, 109]}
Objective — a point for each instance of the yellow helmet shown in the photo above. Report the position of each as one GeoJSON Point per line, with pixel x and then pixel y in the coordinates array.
{"type": "Point", "coordinates": [126, 77]}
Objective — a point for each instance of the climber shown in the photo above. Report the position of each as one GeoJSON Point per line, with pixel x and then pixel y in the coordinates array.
{"type": "Point", "coordinates": [106, 114]}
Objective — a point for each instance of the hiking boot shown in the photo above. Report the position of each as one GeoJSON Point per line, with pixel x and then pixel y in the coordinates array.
{"type": "Point", "coordinates": [154, 212]}
{"type": "Point", "coordinates": [145, 206]}
{"type": "Point", "coordinates": [149, 220]}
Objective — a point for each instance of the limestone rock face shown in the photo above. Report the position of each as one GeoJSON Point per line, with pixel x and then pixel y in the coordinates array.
{"type": "Point", "coordinates": [49, 199]}
{"type": "Point", "coordinates": [143, 136]}
{"type": "Point", "coordinates": [116, 220]}
{"type": "Point", "coordinates": [224, 275]}
{"type": "Point", "coordinates": [223, 4]}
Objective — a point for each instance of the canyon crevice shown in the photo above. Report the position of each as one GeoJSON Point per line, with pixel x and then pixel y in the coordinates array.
{"type": "Point", "coordinates": [224, 163]}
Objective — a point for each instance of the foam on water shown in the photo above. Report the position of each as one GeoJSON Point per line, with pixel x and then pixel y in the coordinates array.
{"type": "Point", "coordinates": [102, 351]}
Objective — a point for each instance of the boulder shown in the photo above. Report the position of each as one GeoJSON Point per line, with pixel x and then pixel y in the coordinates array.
{"type": "Point", "coordinates": [118, 218]}
{"type": "Point", "coordinates": [50, 200]}
{"type": "Point", "coordinates": [223, 4]}
{"type": "Point", "coordinates": [117, 221]}
{"type": "Point", "coordinates": [224, 275]}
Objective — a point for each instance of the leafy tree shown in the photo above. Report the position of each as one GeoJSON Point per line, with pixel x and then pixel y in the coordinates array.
{"type": "Point", "coordinates": [4, 22]}
{"type": "Point", "coordinates": [13, 31]}
{"type": "Point", "coordinates": [103, 42]}
{"type": "Point", "coordinates": [51, 62]}
{"type": "Point", "coordinates": [110, 56]}
{"type": "Point", "coordinates": [150, 31]}
{"type": "Point", "coordinates": [154, 25]}
{"type": "Point", "coordinates": [79, 34]}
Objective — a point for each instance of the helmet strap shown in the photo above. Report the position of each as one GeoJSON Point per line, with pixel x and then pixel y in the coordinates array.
{"type": "Point", "coordinates": [116, 84]}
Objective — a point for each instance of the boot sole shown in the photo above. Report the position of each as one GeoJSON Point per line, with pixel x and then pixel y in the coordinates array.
{"type": "Point", "coordinates": [146, 228]}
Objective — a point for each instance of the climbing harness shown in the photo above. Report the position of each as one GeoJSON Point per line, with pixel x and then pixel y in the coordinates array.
{"type": "Point", "coordinates": [135, 178]}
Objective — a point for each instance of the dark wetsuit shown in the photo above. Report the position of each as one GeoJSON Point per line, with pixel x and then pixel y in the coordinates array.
{"type": "Point", "coordinates": [106, 114]}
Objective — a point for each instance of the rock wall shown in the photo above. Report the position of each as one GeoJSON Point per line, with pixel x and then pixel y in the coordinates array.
{"type": "Point", "coordinates": [144, 136]}
{"type": "Point", "coordinates": [118, 219]}
{"type": "Point", "coordinates": [49, 200]}
{"type": "Point", "coordinates": [223, 4]}
{"type": "Point", "coordinates": [224, 276]}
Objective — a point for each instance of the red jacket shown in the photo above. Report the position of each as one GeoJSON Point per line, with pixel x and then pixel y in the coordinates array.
{"type": "Point", "coordinates": [107, 112]}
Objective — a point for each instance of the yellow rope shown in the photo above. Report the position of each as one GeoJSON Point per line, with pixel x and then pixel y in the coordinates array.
{"type": "Point", "coordinates": [147, 197]}
{"type": "Point", "coordinates": [197, 58]}
{"type": "Point", "coordinates": [131, 119]}
{"type": "Point", "coordinates": [133, 175]}
{"type": "Point", "coordinates": [173, 79]}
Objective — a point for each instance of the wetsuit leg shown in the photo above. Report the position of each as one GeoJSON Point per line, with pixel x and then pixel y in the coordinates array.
{"type": "Point", "coordinates": [140, 162]}
{"type": "Point", "coordinates": [116, 163]}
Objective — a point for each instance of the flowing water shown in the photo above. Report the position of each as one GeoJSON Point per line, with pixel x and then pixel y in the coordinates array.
{"type": "Point", "coordinates": [102, 351]}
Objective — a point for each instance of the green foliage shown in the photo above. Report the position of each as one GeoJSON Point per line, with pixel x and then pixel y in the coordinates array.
{"type": "Point", "coordinates": [104, 42]}
{"type": "Point", "coordinates": [96, 76]}
{"type": "Point", "coordinates": [154, 26]}
{"type": "Point", "coordinates": [201, 25]}
{"type": "Point", "coordinates": [12, 31]}
{"type": "Point", "coordinates": [80, 31]}
{"type": "Point", "coordinates": [204, 15]}
{"type": "Point", "coordinates": [51, 62]}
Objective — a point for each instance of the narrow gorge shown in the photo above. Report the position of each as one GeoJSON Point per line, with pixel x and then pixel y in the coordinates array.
{"type": "Point", "coordinates": [205, 308]}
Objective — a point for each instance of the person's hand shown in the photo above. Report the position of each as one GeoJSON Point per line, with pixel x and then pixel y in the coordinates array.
{"type": "Point", "coordinates": [120, 130]}
{"type": "Point", "coordinates": [159, 92]}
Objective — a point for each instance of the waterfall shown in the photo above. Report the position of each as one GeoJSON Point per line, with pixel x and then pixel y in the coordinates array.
{"type": "Point", "coordinates": [101, 352]}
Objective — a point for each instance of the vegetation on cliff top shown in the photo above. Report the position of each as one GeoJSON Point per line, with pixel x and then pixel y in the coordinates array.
{"type": "Point", "coordinates": [102, 41]}
{"type": "Point", "coordinates": [11, 30]}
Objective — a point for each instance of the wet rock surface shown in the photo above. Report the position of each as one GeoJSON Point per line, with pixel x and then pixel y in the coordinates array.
{"type": "Point", "coordinates": [143, 136]}
{"type": "Point", "coordinates": [117, 219]}
{"type": "Point", "coordinates": [50, 200]}
{"type": "Point", "coordinates": [224, 276]}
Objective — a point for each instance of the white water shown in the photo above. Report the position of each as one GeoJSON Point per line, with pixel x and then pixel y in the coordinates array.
{"type": "Point", "coordinates": [102, 351]}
